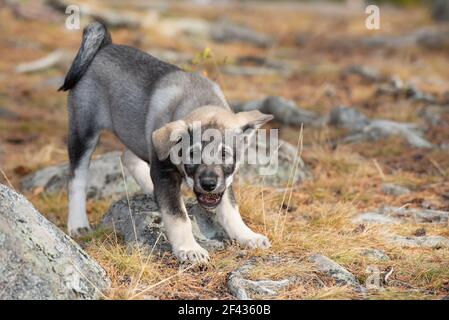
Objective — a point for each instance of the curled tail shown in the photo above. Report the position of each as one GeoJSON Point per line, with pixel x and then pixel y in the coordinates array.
{"type": "Point", "coordinates": [95, 37]}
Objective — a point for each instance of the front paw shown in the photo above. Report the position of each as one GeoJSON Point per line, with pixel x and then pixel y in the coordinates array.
{"type": "Point", "coordinates": [78, 231]}
{"type": "Point", "coordinates": [255, 241]}
{"type": "Point", "coordinates": [192, 254]}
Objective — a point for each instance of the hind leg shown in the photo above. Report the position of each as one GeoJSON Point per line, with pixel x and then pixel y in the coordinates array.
{"type": "Point", "coordinates": [139, 169]}
{"type": "Point", "coordinates": [81, 145]}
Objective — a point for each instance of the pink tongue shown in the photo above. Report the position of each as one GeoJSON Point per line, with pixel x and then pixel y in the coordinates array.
{"type": "Point", "coordinates": [208, 199]}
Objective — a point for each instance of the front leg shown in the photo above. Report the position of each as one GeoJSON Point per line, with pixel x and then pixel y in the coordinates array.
{"type": "Point", "coordinates": [230, 219]}
{"type": "Point", "coordinates": [167, 189]}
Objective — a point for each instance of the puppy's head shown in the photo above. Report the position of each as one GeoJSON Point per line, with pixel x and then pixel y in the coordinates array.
{"type": "Point", "coordinates": [205, 147]}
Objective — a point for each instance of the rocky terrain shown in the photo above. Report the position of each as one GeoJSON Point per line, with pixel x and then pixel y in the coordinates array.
{"type": "Point", "coordinates": [358, 208]}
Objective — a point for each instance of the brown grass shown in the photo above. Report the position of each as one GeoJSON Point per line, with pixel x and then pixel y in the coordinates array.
{"type": "Point", "coordinates": [347, 178]}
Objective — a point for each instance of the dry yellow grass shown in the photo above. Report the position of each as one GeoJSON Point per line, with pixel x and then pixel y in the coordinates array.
{"type": "Point", "coordinates": [347, 178]}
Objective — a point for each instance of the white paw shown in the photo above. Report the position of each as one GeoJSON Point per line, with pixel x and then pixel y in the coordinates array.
{"type": "Point", "coordinates": [255, 241]}
{"type": "Point", "coordinates": [192, 254]}
{"type": "Point", "coordinates": [78, 230]}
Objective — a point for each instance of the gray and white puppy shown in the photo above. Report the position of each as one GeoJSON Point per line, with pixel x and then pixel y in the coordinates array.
{"type": "Point", "coordinates": [143, 100]}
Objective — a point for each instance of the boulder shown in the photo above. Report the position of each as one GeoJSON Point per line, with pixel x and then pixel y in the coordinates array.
{"type": "Point", "coordinates": [105, 178]}
{"type": "Point", "coordinates": [38, 260]}
{"type": "Point", "coordinates": [140, 219]}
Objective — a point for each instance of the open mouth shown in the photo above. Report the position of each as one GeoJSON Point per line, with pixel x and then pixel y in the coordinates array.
{"type": "Point", "coordinates": [209, 200]}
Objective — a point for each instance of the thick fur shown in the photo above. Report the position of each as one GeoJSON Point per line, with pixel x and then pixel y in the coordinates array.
{"type": "Point", "coordinates": [133, 94]}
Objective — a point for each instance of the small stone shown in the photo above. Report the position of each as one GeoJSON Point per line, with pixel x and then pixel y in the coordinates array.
{"type": "Point", "coordinates": [378, 129]}
{"type": "Point", "coordinates": [250, 71]}
{"type": "Point", "coordinates": [172, 27]}
{"type": "Point", "coordinates": [285, 111]}
{"type": "Point", "coordinates": [440, 10]}
{"type": "Point", "coordinates": [420, 232]}
{"type": "Point", "coordinates": [429, 204]}
{"type": "Point", "coordinates": [364, 129]}
{"type": "Point", "coordinates": [225, 31]}
{"type": "Point", "coordinates": [348, 118]}
{"type": "Point", "coordinates": [435, 242]}
{"type": "Point", "coordinates": [244, 289]}
{"type": "Point", "coordinates": [375, 254]}
{"type": "Point", "coordinates": [6, 114]}
{"type": "Point", "coordinates": [374, 217]}
{"type": "Point", "coordinates": [334, 270]}
{"type": "Point", "coordinates": [389, 215]}
{"type": "Point", "coordinates": [366, 73]}
{"type": "Point", "coordinates": [394, 189]}
{"type": "Point", "coordinates": [277, 172]}
{"type": "Point", "coordinates": [432, 114]}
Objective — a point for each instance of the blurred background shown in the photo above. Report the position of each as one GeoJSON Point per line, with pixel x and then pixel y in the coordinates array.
{"type": "Point", "coordinates": [317, 54]}
{"type": "Point", "coordinates": [374, 103]}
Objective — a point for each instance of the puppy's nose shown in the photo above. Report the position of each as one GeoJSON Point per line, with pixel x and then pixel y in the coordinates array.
{"type": "Point", "coordinates": [208, 184]}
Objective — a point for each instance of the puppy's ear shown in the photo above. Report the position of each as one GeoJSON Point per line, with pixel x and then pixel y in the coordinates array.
{"type": "Point", "coordinates": [253, 119]}
{"type": "Point", "coordinates": [166, 137]}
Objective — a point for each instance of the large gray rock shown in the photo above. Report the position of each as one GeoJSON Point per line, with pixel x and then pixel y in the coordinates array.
{"type": "Point", "coordinates": [364, 129]}
{"type": "Point", "coordinates": [39, 261]}
{"type": "Point", "coordinates": [243, 288]}
{"type": "Point", "coordinates": [140, 219]}
{"type": "Point", "coordinates": [105, 178]}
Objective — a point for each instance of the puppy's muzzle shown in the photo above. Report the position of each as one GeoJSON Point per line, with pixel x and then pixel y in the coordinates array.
{"type": "Point", "coordinates": [209, 193]}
